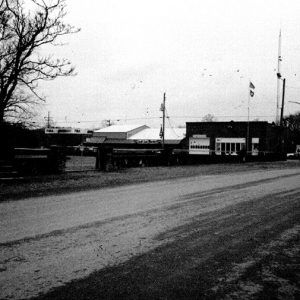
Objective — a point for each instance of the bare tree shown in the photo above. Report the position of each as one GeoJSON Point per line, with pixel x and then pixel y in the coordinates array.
{"type": "Point", "coordinates": [209, 118]}
{"type": "Point", "coordinates": [107, 123]}
{"type": "Point", "coordinates": [23, 33]}
{"type": "Point", "coordinates": [292, 122]}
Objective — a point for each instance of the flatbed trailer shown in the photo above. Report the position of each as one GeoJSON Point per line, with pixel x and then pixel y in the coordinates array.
{"type": "Point", "coordinates": [34, 161]}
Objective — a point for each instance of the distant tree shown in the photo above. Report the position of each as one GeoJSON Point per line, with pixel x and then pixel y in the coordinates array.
{"type": "Point", "coordinates": [106, 123]}
{"type": "Point", "coordinates": [26, 26]}
{"type": "Point", "coordinates": [292, 121]}
{"type": "Point", "coordinates": [209, 118]}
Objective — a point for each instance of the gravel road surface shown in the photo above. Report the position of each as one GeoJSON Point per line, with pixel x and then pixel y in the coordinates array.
{"type": "Point", "coordinates": [46, 242]}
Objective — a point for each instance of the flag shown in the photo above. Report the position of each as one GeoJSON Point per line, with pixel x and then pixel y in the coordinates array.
{"type": "Point", "coordinates": [251, 87]}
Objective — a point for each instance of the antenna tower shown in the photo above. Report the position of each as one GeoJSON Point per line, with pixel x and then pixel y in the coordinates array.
{"type": "Point", "coordinates": [277, 119]}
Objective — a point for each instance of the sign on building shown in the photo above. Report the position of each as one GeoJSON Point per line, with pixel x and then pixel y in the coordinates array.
{"type": "Point", "coordinates": [199, 145]}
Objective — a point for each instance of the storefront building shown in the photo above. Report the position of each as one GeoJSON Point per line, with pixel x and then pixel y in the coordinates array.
{"type": "Point", "coordinates": [255, 138]}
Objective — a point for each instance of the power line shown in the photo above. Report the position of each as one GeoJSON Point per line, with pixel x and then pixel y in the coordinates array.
{"type": "Point", "coordinates": [169, 120]}
{"type": "Point", "coordinates": [220, 116]}
{"type": "Point", "coordinates": [114, 120]}
{"type": "Point", "coordinates": [293, 87]}
{"type": "Point", "coordinates": [173, 117]}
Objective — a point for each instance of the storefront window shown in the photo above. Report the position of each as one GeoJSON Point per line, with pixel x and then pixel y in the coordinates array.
{"type": "Point", "coordinates": [223, 147]}
{"type": "Point", "coordinates": [232, 147]}
{"type": "Point", "coordinates": [227, 147]}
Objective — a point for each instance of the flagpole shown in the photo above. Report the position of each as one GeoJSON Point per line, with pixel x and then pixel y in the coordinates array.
{"type": "Point", "coordinates": [248, 119]}
{"type": "Point", "coordinates": [250, 94]}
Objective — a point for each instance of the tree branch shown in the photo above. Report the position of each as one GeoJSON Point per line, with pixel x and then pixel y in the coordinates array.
{"type": "Point", "coordinates": [22, 35]}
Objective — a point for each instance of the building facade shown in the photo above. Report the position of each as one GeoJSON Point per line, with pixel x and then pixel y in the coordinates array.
{"type": "Point", "coordinates": [256, 138]}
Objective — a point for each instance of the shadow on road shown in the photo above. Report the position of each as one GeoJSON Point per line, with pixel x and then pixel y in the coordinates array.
{"type": "Point", "coordinates": [250, 249]}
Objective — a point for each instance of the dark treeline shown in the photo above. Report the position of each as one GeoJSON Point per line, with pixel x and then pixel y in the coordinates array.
{"type": "Point", "coordinates": [17, 135]}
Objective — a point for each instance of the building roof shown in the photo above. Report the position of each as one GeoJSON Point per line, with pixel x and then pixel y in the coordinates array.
{"type": "Point", "coordinates": [154, 134]}
{"type": "Point", "coordinates": [136, 134]}
{"type": "Point", "coordinates": [95, 139]}
{"type": "Point", "coordinates": [119, 128]}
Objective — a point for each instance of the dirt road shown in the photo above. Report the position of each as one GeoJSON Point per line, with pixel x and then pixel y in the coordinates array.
{"type": "Point", "coordinates": [48, 241]}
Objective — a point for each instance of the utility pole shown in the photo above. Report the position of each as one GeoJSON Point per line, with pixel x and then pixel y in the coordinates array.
{"type": "Point", "coordinates": [163, 108]}
{"type": "Point", "coordinates": [48, 120]}
{"type": "Point", "coordinates": [282, 105]}
{"type": "Point", "coordinates": [281, 119]}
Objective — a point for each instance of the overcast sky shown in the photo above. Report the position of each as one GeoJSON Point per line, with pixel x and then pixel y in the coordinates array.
{"type": "Point", "coordinates": [201, 53]}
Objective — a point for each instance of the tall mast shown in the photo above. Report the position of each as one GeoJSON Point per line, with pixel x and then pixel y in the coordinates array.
{"type": "Point", "coordinates": [278, 80]}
